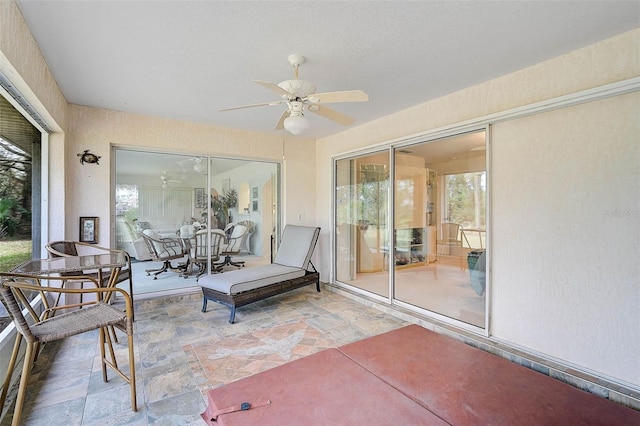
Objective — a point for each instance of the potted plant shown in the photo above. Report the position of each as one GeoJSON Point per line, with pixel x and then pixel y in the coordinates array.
{"type": "Point", "coordinates": [221, 204]}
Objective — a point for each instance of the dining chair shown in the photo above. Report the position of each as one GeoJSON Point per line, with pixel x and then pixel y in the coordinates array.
{"type": "Point", "coordinates": [233, 246]}
{"type": "Point", "coordinates": [68, 320]}
{"type": "Point", "coordinates": [208, 242]}
{"type": "Point", "coordinates": [164, 250]}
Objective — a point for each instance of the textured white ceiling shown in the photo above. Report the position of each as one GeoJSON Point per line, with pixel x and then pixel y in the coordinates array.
{"type": "Point", "coordinates": [187, 59]}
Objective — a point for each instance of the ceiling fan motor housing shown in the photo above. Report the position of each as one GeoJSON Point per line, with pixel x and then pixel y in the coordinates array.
{"type": "Point", "coordinates": [298, 88]}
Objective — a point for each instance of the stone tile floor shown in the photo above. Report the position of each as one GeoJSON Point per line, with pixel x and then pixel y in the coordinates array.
{"type": "Point", "coordinates": [182, 352]}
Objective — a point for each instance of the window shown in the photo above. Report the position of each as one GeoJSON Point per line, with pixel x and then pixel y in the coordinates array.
{"type": "Point", "coordinates": [127, 196]}
{"type": "Point", "coordinates": [20, 147]}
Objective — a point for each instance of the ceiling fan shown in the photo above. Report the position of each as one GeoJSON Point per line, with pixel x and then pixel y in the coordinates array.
{"type": "Point", "coordinates": [300, 96]}
{"type": "Point", "coordinates": [200, 166]}
{"type": "Point", "coordinates": [164, 177]}
{"type": "Point", "coordinates": [197, 164]}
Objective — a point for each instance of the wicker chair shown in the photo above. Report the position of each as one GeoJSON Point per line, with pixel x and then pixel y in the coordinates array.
{"type": "Point", "coordinates": [94, 315]}
{"type": "Point", "coordinates": [164, 250]}
{"type": "Point", "coordinates": [207, 241]}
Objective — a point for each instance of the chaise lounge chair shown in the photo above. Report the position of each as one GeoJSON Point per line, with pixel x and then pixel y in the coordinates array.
{"type": "Point", "coordinates": [289, 270]}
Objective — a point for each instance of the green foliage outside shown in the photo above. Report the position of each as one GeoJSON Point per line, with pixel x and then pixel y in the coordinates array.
{"type": "Point", "coordinates": [15, 208]}
{"type": "Point", "coordinates": [15, 220]}
{"type": "Point", "coordinates": [466, 195]}
{"type": "Point", "coordinates": [15, 191]}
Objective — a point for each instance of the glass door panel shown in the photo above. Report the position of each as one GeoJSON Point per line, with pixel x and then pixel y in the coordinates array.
{"type": "Point", "coordinates": [176, 195]}
{"type": "Point", "coordinates": [440, 212]}
{"type": "Point", "coordinates": [362, 203]}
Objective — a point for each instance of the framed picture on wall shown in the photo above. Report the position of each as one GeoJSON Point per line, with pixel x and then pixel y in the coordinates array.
{"type": "Point", "coordinates": [199, 196]}
{"type": "Point", "coordinates": [89, 230]}
{"type": "Point", "coordinates": [255, 205]}
{"type": "Point", "coordinates": [255, 193]}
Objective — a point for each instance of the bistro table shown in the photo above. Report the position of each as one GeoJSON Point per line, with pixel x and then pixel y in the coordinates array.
{"type": "Point", "coordinates": [114, 260]}
{"type": "Point", "coordinates": [92, 265]}
{"type": "Point", "coordinates": [76, 264]}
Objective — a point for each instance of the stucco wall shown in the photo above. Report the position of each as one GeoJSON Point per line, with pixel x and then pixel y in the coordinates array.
{"type": "Point", "coordinates": [565, 228]}
{"type": "Point", "coordinates": [577, 310]}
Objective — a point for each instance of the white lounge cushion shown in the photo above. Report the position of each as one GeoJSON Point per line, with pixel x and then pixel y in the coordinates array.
{"type": "Point", "coordinates": [240, 280]}
{"type": "Point", "coordinates": [297, 246]}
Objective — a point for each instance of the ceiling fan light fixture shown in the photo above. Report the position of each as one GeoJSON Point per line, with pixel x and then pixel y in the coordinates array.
{"type": "Point", "coordinates": [296, 124]}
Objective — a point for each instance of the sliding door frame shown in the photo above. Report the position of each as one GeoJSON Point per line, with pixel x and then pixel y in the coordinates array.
{"type": "Point", "coordinates": [392, 147]}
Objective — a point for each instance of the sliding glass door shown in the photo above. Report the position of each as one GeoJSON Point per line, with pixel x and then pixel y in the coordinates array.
{"type": "Point", "coordinates": [175, 195]}
{"type": "Point", "coordinates": [440, 227]}
{"type": "Point", "coordinates": [361, 218]}
{"type": "Point", "coordinates": [438, 257]}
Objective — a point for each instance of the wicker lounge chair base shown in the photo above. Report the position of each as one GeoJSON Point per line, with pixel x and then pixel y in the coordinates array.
{"type": "Point", "coordinates": [246, 297]}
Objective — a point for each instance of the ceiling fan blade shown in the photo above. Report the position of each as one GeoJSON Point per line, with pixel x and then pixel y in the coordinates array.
{"type": "Point", "coordinates": [253, 105]}
{"type": "Point", "coordinates": [272, 86]}
{"type": "Point", "coordinates": [284, 116]}
{"type": "Point", "coordinates": [331, 114]}
{"type": "Point", "coordinates": [344, 96]}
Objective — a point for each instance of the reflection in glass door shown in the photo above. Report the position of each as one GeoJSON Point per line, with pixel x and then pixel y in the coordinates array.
{"type": "Point", "coordinates": [362, 202]}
